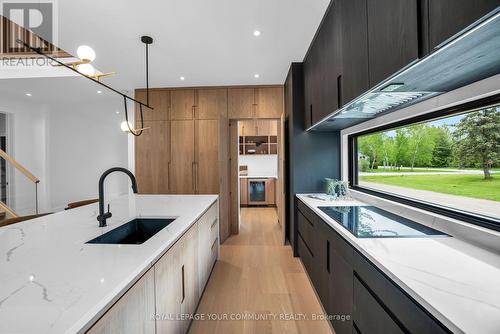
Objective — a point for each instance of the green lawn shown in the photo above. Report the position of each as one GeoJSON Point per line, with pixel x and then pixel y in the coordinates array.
{"type": "Point", "coordinates": [463, 185]}
{"type": "Point", "coordinates": [405, 170]}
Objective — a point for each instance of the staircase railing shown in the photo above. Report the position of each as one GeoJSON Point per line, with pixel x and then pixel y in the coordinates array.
{"type": "Point", "coordinates": [26, 173]}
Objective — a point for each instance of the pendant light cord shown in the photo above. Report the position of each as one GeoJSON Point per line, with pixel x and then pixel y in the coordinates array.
{"type": "Point", "coordinates": [126, 119]}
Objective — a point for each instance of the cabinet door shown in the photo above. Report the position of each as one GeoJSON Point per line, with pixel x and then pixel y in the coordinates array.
{"type": "Point", "coordinates": [189, 271]}
{"type": "Point", "coordinates": [168, 290]}
{"type": "Point", "coordinates": [248, 128]}
{"type": "Point", "coordinates": [354, 80]}
{"type": "Point", "coordinates": [207, 157]}
{"type": "Point", "coordinates": [271, 191]}
{"type": "Point", "coordinates": [308, 90]}
{"type": "Point", "coordinates": [269, 102]}
{"type": "Point", "coordinates": [369, 315]}
{"type": "Point", "coordinates": [392, 37]}
{"type": "Point", "coordinates": [132, 312]}
{"type": "Point", "coordinates": [241, 103]}
{"type": "Point", "coordinates": [182, 164]}
{"type": "Point", "coordinates": [158, 99]}
{"type": "Point", "coordinates": [340, 288]}
{"type": "Point", "coordinates": [212, 103]}
{"type": "Point", "coordinates": [152, 157]}
{"type": "Point", "coordinates": [329, 59]}
{"type": "Point", "coordinates": [244, 191]}
{"type": "Point", "coordinates": [448, 17]}
{"type": "Point", "coordinates": [182, 104]}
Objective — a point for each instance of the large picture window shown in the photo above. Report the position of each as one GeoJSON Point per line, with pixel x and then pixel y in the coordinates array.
{"type": "Point", "coordinates": [450, 163]}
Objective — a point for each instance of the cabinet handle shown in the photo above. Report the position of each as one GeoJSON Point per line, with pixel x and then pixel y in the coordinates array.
{"type": "Point", "coordinates": [310, 114]}
{"type": "Point", "coordinates": [328, 255]}
{"type": "Point", "coordinates": [339, 91]}
{"type": "Point", "coordinates": [168, 176]}
{"type": "Point", "coordinates": [215, 243]}
{"type": "Point", "coordinates": [193, 177]}
{"type": "Point", "coordinates": [213, 224]}
{"type": "Point", "coordinates": [183, 285]}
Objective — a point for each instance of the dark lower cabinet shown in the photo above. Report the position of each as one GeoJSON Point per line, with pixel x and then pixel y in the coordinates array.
{"type": "Point", "coordinates": [448, 17]}
{"type": "Point", "coordinates": [392, 37]}
{"type": "Point", "coordinates": [369, 316]}
{"type": "Point", "coordinates": [354, 292]}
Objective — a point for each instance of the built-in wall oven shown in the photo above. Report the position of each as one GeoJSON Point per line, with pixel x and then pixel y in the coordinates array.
{"type": "Point", "coordinates": [257, 192]}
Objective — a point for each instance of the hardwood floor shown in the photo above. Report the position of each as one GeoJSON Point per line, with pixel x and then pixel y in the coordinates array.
{"type": "Point", "coordinates": [256, 275]}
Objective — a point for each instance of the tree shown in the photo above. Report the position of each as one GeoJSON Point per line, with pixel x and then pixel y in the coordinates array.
{"type": "Point", "coordinates": [400, 148]}
{"type": "Point", "coordinates": [371, 146]}
{"type": "Point", "coordinates": [442, 152]}
{"type": "Point", "coordinates": [420, 145]}
{"type": "Point", "coordinates": [477, 138]}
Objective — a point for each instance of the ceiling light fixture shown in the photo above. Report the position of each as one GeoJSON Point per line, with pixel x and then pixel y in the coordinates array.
{"type": "Point", "coordinates": [182, 78]}
{"type": "Point", "coordinates": [256, 76]}
{"type": "Point", "coordinates": [85, 53]}
{"type": "Point", "coordinates": [28, 94]}
{"type": "Point", "coordinates": [99, 92]}
{"type": "Point", "coordinates": [256, 33]}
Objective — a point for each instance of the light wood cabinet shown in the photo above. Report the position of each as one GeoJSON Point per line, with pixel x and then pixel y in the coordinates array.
{"type": "Point", "coordinates": [211, 104]}
{"type": "Point", "coordinates": [269, 102]}
{"type": "Point", "coordinates": [168, 290]}
{"type": "Point", "coordinates": [152, 154]}
{"type": "Point", "coordinates": [182, 104]}
{"type": "Point", "coordinates": [271, 191]}
{"type": "Point", "coordinates": [189, 271]}
{"type": "Point", "coordinates": [208, 232]}
{"type": "Point", "coordinates": [132, 312]}
{"type": "Point", "coordinates": [158, 99]}
{"type": "Point", "coordinates": [241, 103]}
{"type": "Point", "coordinates": [207, 157]}
{"type": "Point", "coordinates": [244, 191]}
{"type": "Point", "coordinates": [182, 164]}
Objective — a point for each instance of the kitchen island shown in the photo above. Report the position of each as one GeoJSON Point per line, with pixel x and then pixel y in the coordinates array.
{"type": "Point", "coordinates": [52, 281]}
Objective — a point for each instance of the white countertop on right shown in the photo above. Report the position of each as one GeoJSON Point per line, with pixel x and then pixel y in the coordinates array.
{"type": "Point", "coordinates": [457, 282]}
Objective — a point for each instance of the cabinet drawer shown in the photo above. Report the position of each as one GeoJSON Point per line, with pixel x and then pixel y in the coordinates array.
{"type": "Point", "coordinates": [306, 231]}
{"type": "Point", "coordinates": [214, 229]}
{"type": "Point", "coordinates": [308, 213]}
{"type": "Point", "coordinates": [306, 256]}
{"type": "Point", "coordinates": [369, 315]}
{"type": "Point", "coordinates": [408, 312]}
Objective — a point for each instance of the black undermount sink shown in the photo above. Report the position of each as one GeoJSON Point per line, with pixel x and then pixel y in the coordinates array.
{"type": "Point", "coordinates": [135, 232]}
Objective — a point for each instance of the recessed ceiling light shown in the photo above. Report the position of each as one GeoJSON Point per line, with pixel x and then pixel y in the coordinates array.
{"type": "Point", "coordinates": [182, 78]}
{"type": "Point", "coordinates": [99, 92]}
{"type": "Point", "coordinates": [256, 33]}
{"type": "Point", "coordinates": [256, 76]}
{"type": "Point", "coordinates": [117, 112]}
{"type": "Point", "coordinates": [28, 94]}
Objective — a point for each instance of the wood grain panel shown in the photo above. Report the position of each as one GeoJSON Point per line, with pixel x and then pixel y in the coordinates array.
{"type": "Point", "coordinates": [269, 102]}
{"type": "Point", "coordinates": [152, 154]}
{"type": "Point", "coordinates": [207, 157]}
{"type": "Point", "coordinates": [132, 313]}
{"type": "Point", "coordinates": [159, 100]}
{"type": "Point", "coordinates": [182, 104]}
{"type": "Point", "coordinates": [189, 261]}
{"type": "Point", "coordinates": [241, 103]}
{"type": "Point", "coordinates": [182, 157]}
{"type": "Point", "coordinates": [212, 103]}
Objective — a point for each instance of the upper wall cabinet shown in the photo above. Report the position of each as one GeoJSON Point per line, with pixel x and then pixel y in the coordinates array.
{"type": "Point", "coordinates": [182, 104]}
{"type": "Point", "coordinates": [269, 102]}
{"type": "Point", "coordinates": [211, 104]}
{"type": "Point", "coordinates": [447, 17]}
{"type": "Point", "coordinates": [354, 45]}
{"type": "Point", "coordinates": [261, 102]}
{"type": "Point", "coordinates": [392, 37]}
{"type": "Point", "coordinates": [158, 99]}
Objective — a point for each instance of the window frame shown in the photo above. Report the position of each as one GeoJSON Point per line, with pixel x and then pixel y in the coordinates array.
{"type": "Point", "coordinates": [468, 217]}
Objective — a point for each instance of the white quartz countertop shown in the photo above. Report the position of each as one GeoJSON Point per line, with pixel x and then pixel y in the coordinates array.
{"type": "Point", "coordinates": [455, 281]}
{"type": "Point", "coordinates": [51, 281]}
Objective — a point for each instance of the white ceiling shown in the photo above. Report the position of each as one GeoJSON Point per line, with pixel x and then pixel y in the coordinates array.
{"type": "Point", "coordinates": [209, 42]}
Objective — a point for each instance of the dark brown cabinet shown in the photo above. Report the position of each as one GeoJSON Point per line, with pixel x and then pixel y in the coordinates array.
{"type": "Point", "coordinates": [448, 17]}
{"type": "Point", "coordinates": [354, 80]}
{"type": "Point", "coordinates": [392, 37]}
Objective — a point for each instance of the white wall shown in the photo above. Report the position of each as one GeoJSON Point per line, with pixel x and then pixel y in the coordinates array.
{"type": "Point", "coordinates": [260, 165]}
{"type": "Point", "coordinates": [67, 146]}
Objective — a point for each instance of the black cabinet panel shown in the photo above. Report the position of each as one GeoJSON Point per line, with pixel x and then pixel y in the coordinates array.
{"type": "Point", "coordinates": [306, 231]}
{"type": "Point", "coordinates": [392, 37]}
{"type": "Point", "coordinates": [448, 17]}
{"type": "Point", "coordinates": [354, 80]}
{"type": "Point", "coordinates": [369, 315]}
{"type": "Point", "coordinates": [411, 316]}
{"type": "Point", "coordinates": [340, 295]}
{"type": "Point", "coordinates": [309, 89]}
